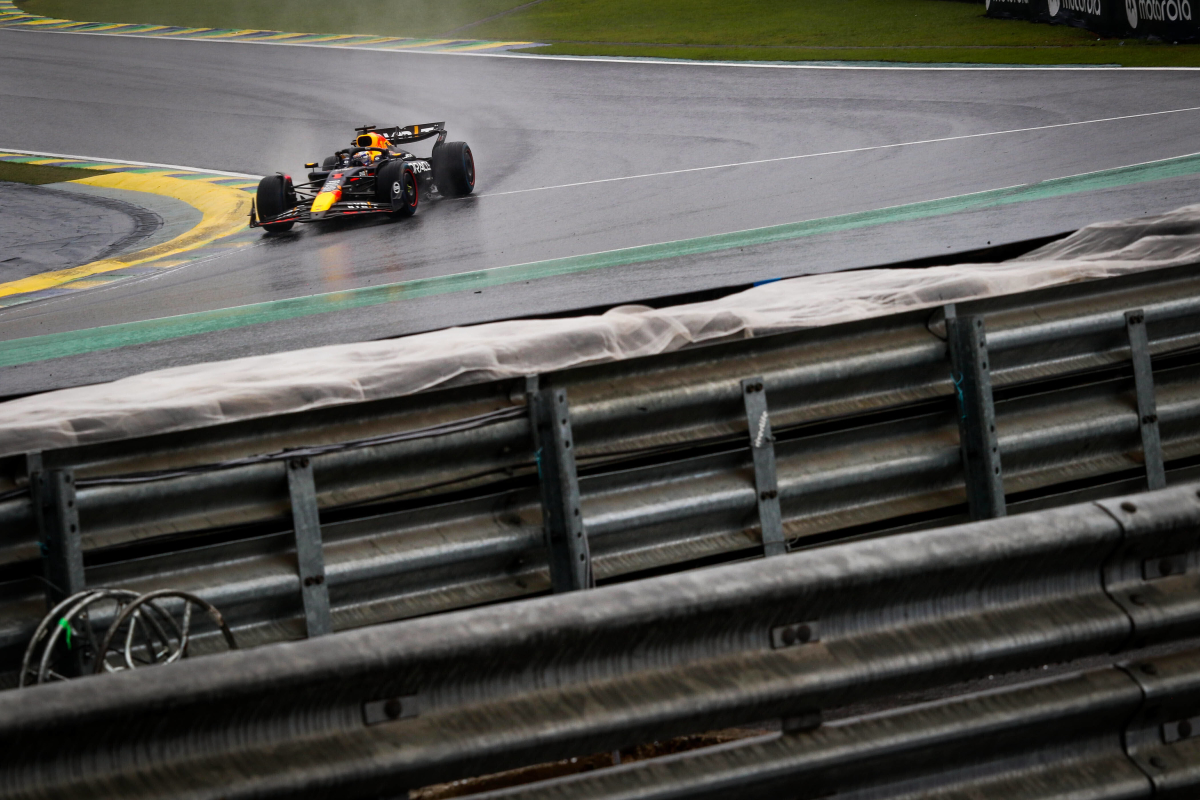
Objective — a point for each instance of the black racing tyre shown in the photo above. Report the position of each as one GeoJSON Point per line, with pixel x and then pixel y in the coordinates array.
{"type": "Point", "coordinates": [454, 169]}
{"type": "Point", "coordinates": [275, 196]}
{"type": "Point", "coordinates": [396, 179]}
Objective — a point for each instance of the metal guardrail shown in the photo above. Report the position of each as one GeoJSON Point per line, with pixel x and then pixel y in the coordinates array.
{"type": "Point", "coordinates": [378, 710]}
{"type": "Point", "coordinates": [491, 548]}
{"type": "Point", "coordinates": [1119, 732]}
{"type": "Point", "coordinates": [431, 503]}
{"type": "Point", "coordinates": [632, 406]}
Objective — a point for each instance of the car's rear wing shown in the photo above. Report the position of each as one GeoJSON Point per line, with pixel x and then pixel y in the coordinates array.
{"type": "Point", "coordinates": [409, 133]}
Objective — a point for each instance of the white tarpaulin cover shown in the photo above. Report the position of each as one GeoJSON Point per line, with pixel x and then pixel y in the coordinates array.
{"type": "Point", "coordinates": [245, 388]}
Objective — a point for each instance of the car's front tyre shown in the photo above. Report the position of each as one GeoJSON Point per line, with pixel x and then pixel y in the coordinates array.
{"type": "Point", "coordinates": [275, 196]}
{"type": "Point", "coordinates": [454, 169]}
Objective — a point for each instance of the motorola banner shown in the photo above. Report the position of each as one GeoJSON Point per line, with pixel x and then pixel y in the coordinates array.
{"type": "Point", "coordinates": [1168, 20]}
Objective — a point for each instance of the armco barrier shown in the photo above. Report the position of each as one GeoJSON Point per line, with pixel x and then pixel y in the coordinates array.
{"type": "Point", "coordinates": [1064, 737]}
{"type": "Point", "coordinates": [375, 711]}
{"type": "Point", "coordinates": [1167, 20]}
{"type": "Point", "coordinates": [431, 503]}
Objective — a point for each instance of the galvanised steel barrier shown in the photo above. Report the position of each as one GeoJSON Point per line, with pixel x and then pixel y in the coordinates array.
{"type": "Point", "coordinates": [1119, 732]}
{"type": "Point", "coordinates": [453, 555]}
{"type": "Point", "coordinates": [433, 502]}
{"type": "Point", "coordinates": [375, 711]}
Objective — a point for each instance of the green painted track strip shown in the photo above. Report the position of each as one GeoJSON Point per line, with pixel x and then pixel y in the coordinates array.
{"type": "Point", "coordinates": [109, 337]}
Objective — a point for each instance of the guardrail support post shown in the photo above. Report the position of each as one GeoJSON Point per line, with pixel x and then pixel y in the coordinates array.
{"type": "Point", "coordinates": [566, 541]}
{"type": "Point", "coordinates": [53, 493]}
{"type": "Point", "coordinates": [310, 554]}
{"type": "Point", "coordinates": [976, 415]}
{"type": "Point", "coordinates": [1143, 381]}
{"type": "Point", "coordinates": [766, 484]}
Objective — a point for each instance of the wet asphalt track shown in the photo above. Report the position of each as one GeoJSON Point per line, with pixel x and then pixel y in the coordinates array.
{"type": "Point", "coordinates": [544, 123]}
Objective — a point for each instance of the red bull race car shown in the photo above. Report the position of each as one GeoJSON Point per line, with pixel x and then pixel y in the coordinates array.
{"type": "Point", "coordinates": [372, 176]}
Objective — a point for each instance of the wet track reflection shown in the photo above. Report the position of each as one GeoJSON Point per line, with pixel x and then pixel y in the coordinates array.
{"type": "Point", "coordinates": [543, 123]}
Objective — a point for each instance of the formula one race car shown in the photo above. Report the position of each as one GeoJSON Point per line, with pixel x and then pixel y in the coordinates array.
{"type": "Point", "coordinates": [372, 176]}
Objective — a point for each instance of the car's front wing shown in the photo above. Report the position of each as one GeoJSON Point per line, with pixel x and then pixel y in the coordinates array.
{"type": "Point", "coordinates": [345, 208]}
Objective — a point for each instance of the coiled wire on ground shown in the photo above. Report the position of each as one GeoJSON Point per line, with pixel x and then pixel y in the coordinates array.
{"type": "Point", "coordinates": [152, 635]}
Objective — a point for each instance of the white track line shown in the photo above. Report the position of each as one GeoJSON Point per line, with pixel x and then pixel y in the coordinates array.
{"type": "Point", "coordinates": [844, 152]}
{"type": "Point", "coordinates": [659, 61]}
{"type": "Point", "coordinates": [669, 172]}
{"type": "Point", "coordinates": [130, 163]}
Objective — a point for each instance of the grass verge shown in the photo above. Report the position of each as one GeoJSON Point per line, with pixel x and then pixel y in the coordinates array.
{"type": "Point", "coordinates": [37, 175]}
{"type": "Point", "coordinates": [920, 31]}
{"type": "Point", "coordinates": [420, 18]}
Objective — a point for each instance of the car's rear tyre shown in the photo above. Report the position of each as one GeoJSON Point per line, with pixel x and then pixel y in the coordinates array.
{"type": "Point", "coordinates": [397, 181]}
{"type": "Point", "coordinates": [454, 169]}
{"type": "Point", "coordinates": [275, 196]}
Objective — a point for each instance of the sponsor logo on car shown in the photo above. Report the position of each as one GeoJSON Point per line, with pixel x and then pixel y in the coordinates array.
{"type": "Point", "coordinates": [419, 166]}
